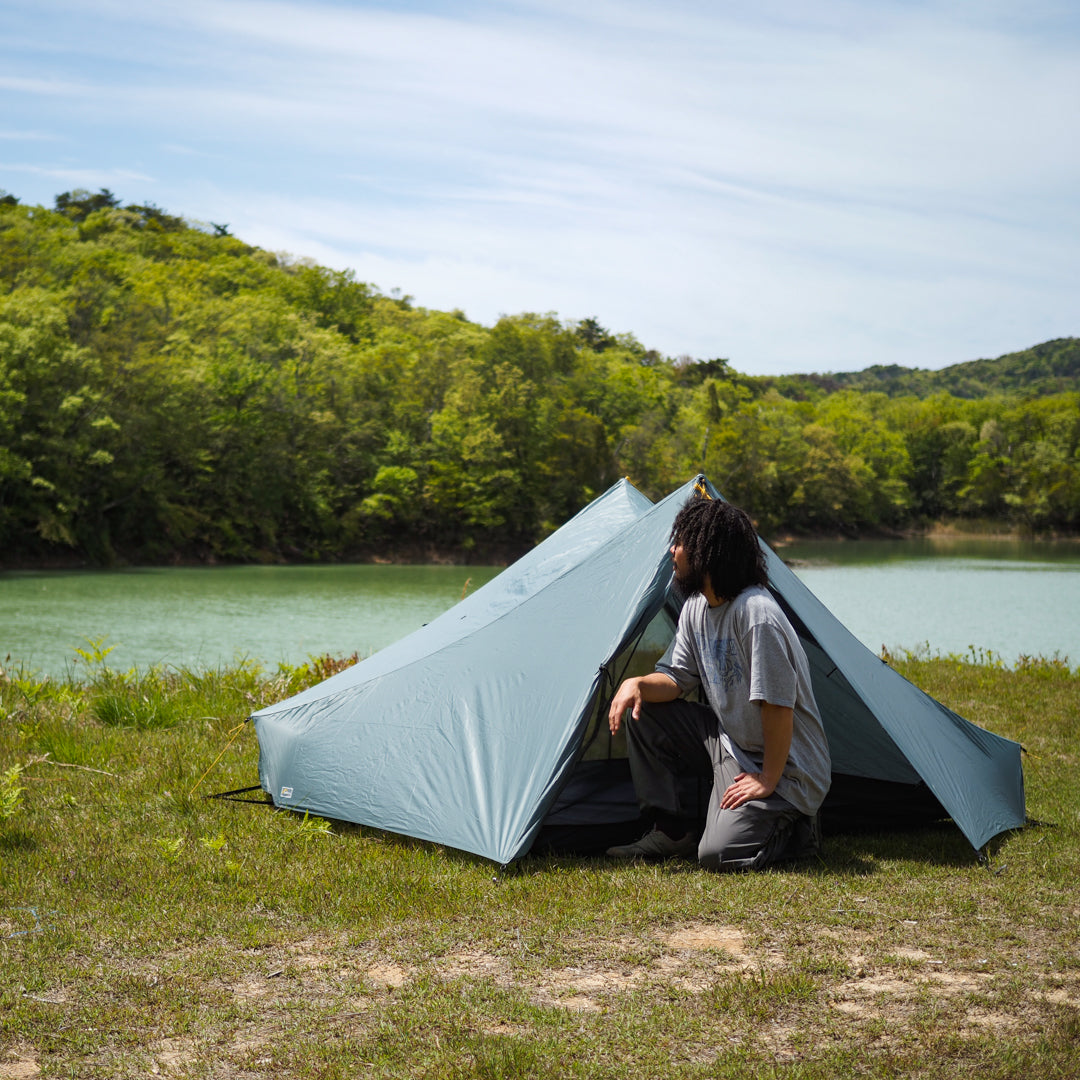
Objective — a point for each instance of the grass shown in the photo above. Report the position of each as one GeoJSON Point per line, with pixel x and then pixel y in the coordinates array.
{"type": "Point", "coordinates": [146, 929]}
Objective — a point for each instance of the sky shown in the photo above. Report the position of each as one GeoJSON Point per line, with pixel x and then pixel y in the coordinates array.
{"type": "Point", "coordinates": [789, 186]}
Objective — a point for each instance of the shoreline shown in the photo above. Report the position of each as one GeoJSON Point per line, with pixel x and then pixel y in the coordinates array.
{"type": "Point", "coordinates": [428, 554]}
{"type": "Point", "coordinates": [409, 554]}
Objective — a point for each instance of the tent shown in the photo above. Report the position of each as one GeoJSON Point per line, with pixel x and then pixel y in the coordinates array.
{"type": "Point", "coordinates": [485, 730]}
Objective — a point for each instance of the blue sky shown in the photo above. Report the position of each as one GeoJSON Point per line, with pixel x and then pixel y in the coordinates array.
{"type": "Point", "coordinates": [791, 186]}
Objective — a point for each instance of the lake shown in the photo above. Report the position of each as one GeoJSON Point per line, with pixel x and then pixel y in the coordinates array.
{"type": "Point", "coordinates": [208, 616]}
{"type": "Point", "coordinates": [1006, 597]}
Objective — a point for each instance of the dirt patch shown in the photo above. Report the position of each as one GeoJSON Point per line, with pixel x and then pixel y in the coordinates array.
{"type": "Point", "coordinates": [19, 1063]}
{"type": "Point", "coordinates": [387, 975]}
{"type": "Point", "coordinates": [1063, 997]}
{"type": "Point", "coordinates": [702, 937]}
{"type": "Point", "coordinates": [857, 978]}
{"type": "Point", "coordinates": [502, 1027]}
{"type": "Point", "coordinates": [471, 964]}
{"type": "Point", "coordinates": [915, 955]}
{"type": "Point", "coordinates": [577, 1003]}
{"type": "Point", "coordinates": [689, 958]}
{"type": "Point", "coordinates": [172, 1055]}
{"type": "Point", "coordinates": [780, 1040]}
{"type": "Point", "coordinates": [583, 990]}
{"type": "Point", "coordinates": [256, 986]}
{"type": "Point", "coordinates": [580, 989]}
{"type": "Point", "coordinates": [315, 952]}
{"type": "Point", "coordinates": [888, 992]}
{"type": "Point", "coordinates": [959, 982]}
{"type": "Point", "coordinates": [727, 941]}
{"type": "Point", "coordinates": [980, 1020]}
{"type": "Point", "coordinates": [864, 997]}
{"type": "Point", "coordinates": [251, 1041]}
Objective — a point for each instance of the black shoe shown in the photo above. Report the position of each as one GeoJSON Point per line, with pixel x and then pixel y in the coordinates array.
{"type": "Point", "coordinates": [656, 846]}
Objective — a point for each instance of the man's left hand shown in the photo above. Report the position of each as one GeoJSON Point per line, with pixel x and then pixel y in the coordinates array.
{"type": "Point", "coordinates": [744, 787]}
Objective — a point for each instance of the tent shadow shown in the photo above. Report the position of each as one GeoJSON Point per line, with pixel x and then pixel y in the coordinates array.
{"type": "Point", "coordinates": [401, 842]}
{"type": "Point", "coordinates": [862, 852]}
{"type": "Point", "coordinates": [851, 853]}
{"type": "Point", "coordinates": [845, 853]}
{"type": "Point", "coordinates": [820, 866]}
{"type": "Point", "coordinates": [854, 853]}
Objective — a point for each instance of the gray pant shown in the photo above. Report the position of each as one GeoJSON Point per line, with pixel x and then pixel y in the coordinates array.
{"type": "Point", "coordinates": [678, 739]}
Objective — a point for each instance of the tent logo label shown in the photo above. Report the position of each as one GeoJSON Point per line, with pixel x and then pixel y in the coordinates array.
{"type": "Point", "coordinates": [286, 792]}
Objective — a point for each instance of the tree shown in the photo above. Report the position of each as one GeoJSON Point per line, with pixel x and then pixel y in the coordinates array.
{"type": "Point", "coordinates": [80, 203]}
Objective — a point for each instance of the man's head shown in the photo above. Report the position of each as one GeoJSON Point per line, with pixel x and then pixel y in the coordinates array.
{"type": "Point", "coordinates": [719, 548]}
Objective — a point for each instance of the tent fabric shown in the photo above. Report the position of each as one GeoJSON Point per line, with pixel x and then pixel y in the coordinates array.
{"type": "Point", "coordinates": [466, 732]}
{"type": "Point", "coordinates": [882, 726]}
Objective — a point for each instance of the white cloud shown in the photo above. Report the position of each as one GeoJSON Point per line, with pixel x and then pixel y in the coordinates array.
{"type": "Point", "coordinates": [783, 184]}
{"type": "Point", "coordinates": [27, 136]}
{"type": "Point", "coordinates": [49, 87]}
{"type": "Point", "coordinates": [78, 178]}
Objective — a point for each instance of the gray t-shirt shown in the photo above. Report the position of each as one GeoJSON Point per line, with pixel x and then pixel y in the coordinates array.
{"type": "Point", "coordinates": [743, 652]}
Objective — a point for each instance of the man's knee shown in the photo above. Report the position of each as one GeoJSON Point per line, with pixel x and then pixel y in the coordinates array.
{"type": "Point", "coordinates": [719, 851]}
{"type": "Point", "coordinates": [745, 839]}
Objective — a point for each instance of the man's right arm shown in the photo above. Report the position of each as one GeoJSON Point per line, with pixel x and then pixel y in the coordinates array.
{"type": "Point", "coordinates": [656, 686]}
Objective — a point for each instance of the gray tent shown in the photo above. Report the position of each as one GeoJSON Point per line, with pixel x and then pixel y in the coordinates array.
{"type": "Point", "coordinates": [484, 730]}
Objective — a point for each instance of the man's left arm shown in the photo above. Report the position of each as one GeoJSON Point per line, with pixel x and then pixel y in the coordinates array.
{"type": "Point", "coordinates": [777, 722]}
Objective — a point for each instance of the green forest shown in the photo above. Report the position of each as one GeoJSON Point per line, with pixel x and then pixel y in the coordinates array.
{"type": "Point", "coordinates": [170, 393]}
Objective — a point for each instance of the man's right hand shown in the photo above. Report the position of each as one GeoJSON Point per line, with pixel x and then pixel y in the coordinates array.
{"type": "Point", "coordinates": [628, 696]}
{"type": "Point", "coordinates": [655, 686]}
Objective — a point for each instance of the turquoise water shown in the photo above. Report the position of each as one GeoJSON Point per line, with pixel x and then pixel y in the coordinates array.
{"type": "Point", "coordinates": [1006, 598]}
{"type": "Point", "coordinates": [204, 617]}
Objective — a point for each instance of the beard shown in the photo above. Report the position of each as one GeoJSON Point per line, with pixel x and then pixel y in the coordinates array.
{"type": "Point", "coordinates": [689, 580]}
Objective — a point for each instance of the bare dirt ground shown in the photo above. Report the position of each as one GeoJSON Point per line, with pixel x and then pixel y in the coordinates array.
{"type": "Point", "coordinates": [343, 981]}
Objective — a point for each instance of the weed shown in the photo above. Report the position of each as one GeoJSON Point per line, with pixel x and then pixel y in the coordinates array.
{"type": "Point", "coordinates": [169, 847]}
{"type": "Point", "coordinates": [96, 653]}
{"type": "Point", "coordinates": [214, 843]}
{"type": "Point", "coordinates": [312, 828]}
{"type": "Point", "coordinates": [10, 791]}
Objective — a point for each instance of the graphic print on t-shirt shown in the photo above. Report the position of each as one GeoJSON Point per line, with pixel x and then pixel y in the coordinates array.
{"type": "Point", "coordinates": [728, 662]}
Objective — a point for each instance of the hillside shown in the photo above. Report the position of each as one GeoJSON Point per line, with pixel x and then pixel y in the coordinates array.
{"type": "Point", "coordinates": [1050, 368]}
{"type": "Point", "coordinates": [169, 392]}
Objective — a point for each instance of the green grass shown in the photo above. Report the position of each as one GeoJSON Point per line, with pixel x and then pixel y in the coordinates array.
{"type": "Point", "coordinates": [146, 928]}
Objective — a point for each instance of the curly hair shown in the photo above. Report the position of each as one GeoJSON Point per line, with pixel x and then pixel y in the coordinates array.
{"type": "Point", "coordinates": [721, 548]}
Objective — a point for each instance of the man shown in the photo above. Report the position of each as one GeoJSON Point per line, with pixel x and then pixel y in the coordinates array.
{"type": "Point", "coordinates": [759, 738]}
